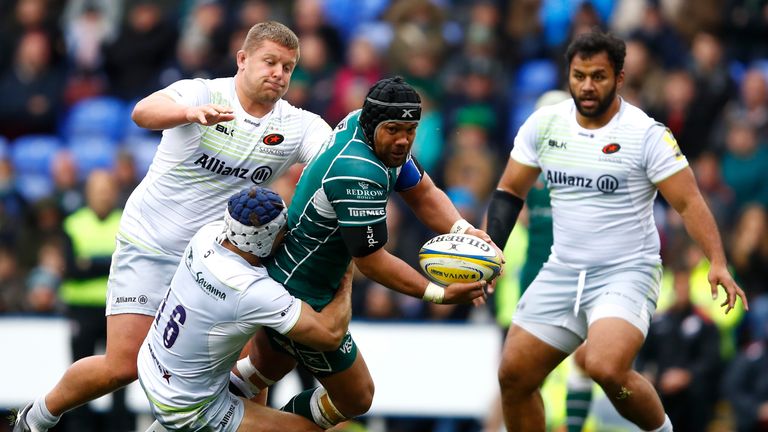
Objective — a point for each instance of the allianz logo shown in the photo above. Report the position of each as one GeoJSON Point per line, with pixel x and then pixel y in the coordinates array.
{"type": "Point", "coordinates": [606, 183]}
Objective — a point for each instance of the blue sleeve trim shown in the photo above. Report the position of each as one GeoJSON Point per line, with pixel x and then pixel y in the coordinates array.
{"type": "Point", "coordinates": [409, 176]}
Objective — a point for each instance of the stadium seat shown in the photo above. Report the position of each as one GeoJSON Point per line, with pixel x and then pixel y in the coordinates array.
{"type": "Point", "coordinates": [534, 77]}
{"type": "Point", "coordinates": [91, 152]}
{"type": "Point", "coordinates": [103, 115]}
{"type": "Point", "coordinates": [32, 154]}
{"type": "Point", "coordinates": [131, 129]}
{"type": "Point", "coordinates": [34, 187]}
{"type": "Point", "coordinates": [521, 109]}
{"type": "Point", "coordinates": [143, 149]}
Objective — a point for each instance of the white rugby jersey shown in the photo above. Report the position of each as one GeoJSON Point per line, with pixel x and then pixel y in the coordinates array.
{"type": "Point", "coordinates": [197, 168]}
{"type": "Point", "coordinates": [215, 303]}
{"type": "Point", "coordinates": [601, 181]}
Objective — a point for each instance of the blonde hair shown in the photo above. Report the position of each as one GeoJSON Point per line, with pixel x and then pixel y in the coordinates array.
{"type": "Point", "coordinates": [272, 31]}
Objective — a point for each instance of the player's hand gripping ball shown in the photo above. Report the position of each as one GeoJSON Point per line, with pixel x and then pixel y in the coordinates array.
{"type": "Point", "coordinates": [450, 258]}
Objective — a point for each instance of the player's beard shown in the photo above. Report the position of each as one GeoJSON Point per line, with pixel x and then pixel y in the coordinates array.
{"type": "Point", "coordinates": [602, 107]}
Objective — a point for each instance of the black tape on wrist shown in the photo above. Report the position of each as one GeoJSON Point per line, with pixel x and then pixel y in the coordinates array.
{"type": "Point", "coordinates": [502, 216]}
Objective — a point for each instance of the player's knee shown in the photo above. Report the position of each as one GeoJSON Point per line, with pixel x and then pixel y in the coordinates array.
{"type": "Point", "coordinates": [513, 378]}
{"type": "Point", "coordinates": [604, 373]}
{"type": "Point", "coordinates": [356, 403]}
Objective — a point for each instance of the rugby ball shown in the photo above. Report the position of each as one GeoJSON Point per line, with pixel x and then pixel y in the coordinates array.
{"type": "Point", "coordinates": [450, 258]}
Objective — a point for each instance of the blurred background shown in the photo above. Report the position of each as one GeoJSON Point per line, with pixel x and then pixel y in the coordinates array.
{"type": "Point", "coordinates": [71, 71]}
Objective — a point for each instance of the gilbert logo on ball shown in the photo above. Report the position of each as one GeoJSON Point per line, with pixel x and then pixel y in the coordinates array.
{"type": "Point", "coordinates": [450, 258]}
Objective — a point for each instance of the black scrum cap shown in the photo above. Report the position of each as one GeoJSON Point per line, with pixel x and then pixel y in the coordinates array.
{"type": "Point", "coordinates": [390, 99]}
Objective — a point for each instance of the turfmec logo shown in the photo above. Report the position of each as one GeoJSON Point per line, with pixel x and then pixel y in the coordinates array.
{"type": "Point", "coordinates": [367, 212]}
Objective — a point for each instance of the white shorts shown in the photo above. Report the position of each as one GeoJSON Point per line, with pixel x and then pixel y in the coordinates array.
{"type": "Point", "coordinates": [562, 302]}
{"type": "Point", "coordinates": [138, 280]}
{"type": "Point", "coordinates": [222, 414]}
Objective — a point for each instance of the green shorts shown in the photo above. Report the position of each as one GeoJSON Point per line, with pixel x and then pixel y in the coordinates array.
{"type": "Point", "coordinates": [320, 363]}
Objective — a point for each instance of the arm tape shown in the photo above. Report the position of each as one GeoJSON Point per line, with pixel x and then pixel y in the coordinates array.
{"type": "Point", "coordinates": [502, 216]}
{"type": "Point", "coordinates": [364, 240]}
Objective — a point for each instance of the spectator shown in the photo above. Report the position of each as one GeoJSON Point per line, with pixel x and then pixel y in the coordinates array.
{"type": "Point", "coordinates": [524, 33]}
{"type": "Point", "coordinates": [660, 37]}
{"type": "Point", "coordinates": [681, 357]}
{"type": "Point", "coordinates": [718, 196]}
{"type": "Point", "coordinates": [749, 255]}
{"type": "Point", "coordinates": [44, 280]}
{"type": "Point", "coordinates": [68, 190]}
{"type": "Point", "coordinates": [144, 45]}
{"type": "Point", "coordinates": [313, 79]}
{"type": "Point", "coordinates": [31, 89]}
{"type": "Point", "coordinates": [85, 35]}
{"type": "Point", "coordinates": [752, 105]}
{"type": "Point", "coordinates": [309, 21]}
{"type": "Point", "coordinates": [90, 243]}
{"type": "Point", "coordinates": [11, 281]}
{"type": "Point", "coordinates": [204, 40]}
{"type": "Point", "coordinates": [480, 90]}
{"type": "Point", "coordinates": [30, 16]}
{"type": "Point", "coordinates": [744, 166]}
{"type": "Point", "coordinates": [745, 387]}
{"type": "Point", "coordinates": [682, 115]}
{"type": "Point", "coordinates": [643, 78]}
{"type": "Point", "coordinates": [745, 26]}
{"type": "Point", "coordinates": [714, 86]}
{"type": "Point", "coordinates": [126, 176]}
{"type": "Point", "coordinates": [14, 209]}
{"type": "Point", "coordinates": [353, 80]}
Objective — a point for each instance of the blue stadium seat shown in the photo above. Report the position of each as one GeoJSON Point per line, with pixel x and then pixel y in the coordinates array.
{"type": "Point", "coordinates": [131, 129]}
{"type": "Point", "coordinates": [91, 152]}
{"type": "Point", "coordinates": [34, 187]}
{"type": "Point", "coordinates": [32, 154]}
{"type": "Point", "coordinates": [103, 115]}
{"type": "Point", "coordinates": [521, 109]}
{"type": "Point", "coordinates": [143, 149]}
{"type": "Point", "coordinates": [534, 77]}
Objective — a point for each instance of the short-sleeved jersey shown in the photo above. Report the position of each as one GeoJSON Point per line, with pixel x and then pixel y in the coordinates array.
{"type": "Point", "coordinates": [346, 185]}
{"type": "Point", "coordinates": [601, 181]}
{"type": "Point", "coordinates": [215, 303]}
{"type": "Point", "coordinates": [196, 168]}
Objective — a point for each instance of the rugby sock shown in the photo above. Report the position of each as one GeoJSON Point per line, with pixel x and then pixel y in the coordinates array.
{"type": "Point", "coordinates": [578, 399]}
{"type": "Point", "coordinates": [315, 405]}
{"type": "Point", "coordinates": [238, 387]}
{"type": "Point", "coordinates": [300, 404]}
{"type": "Point", "coordinates": [666, 427]}
{"type": "Point", "coordinates": [39, 418]}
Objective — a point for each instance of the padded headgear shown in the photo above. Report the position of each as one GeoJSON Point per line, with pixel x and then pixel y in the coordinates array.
{"type": "Point", "coordinates": [390, 99]}
{"type": "Point", "coordinates": [253, 219]}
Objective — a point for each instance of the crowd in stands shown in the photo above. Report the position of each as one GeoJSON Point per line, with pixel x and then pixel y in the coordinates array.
{"type": "Point", "coordinates": [70, 73]}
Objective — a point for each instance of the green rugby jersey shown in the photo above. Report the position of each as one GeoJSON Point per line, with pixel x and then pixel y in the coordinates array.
{"type": "Point", "coordinates": [345, 185]}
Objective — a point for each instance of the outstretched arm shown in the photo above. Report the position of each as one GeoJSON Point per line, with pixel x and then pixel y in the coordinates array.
{"type": "Point", "coordinates": [682, 193]}
{"type": "Point", "coordinates": [159, 111]}
{"type": "Point", "coordinates": [394, 273]}
{"type": "Point", "coordinates": [431, 205]}
{"type": "Point", "coordinates": [435, 210]}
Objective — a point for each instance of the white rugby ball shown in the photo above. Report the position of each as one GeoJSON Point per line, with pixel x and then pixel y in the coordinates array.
{"type": "Point", "coordinates": [450, 258]}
